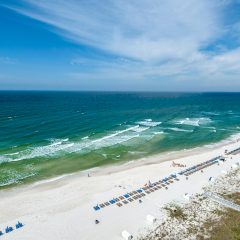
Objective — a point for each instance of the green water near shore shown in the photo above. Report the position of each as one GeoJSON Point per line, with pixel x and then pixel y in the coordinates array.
{"type": "Point", "coordinates": [47, 134]}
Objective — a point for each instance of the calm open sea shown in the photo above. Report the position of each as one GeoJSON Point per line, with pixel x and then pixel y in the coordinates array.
{"type": "Point", "coordinates": [46, 134]}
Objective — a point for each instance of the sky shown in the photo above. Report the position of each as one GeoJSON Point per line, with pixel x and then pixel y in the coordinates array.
{"type": "Point", "coordinates": [120, 45]}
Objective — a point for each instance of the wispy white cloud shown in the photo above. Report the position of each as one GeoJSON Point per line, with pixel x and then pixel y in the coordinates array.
{"type": "Point", "coordinates": [138, 29]}
{"type": "Point", "coordinates": [147, 40]}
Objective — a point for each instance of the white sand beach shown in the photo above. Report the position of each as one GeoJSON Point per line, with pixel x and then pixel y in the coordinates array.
{"type": "Point", "coordinates": [62, 208]}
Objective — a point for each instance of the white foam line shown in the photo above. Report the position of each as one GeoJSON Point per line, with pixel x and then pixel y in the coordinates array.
{"type": "Point", "coordinates": [180, 130]}
{"type": "Point", "coordinates": [149, 123]}
{"type": "Point", "coordinates": [52, 179]}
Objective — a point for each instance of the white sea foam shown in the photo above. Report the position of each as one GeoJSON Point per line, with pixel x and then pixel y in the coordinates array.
{"type": "Point", "coordinates": [3, 159]}
{"type": "Point", "coordinates": [83, 138]}
{"type": "Point", "coordinates": [52, 179]}
{"type": "Point", "coordinates": [211, 113]}
{"type": "Point", "coordinates": [214, 128]}
{"type": "Point", "coordinates": [149, 123]}
{"type": "Point", "coordinates": [41, 151]}
{"type": "Point", "coordinates": [15, 178]}
{"type": "Point", "coordinates": [60, 146]}
{"type": "Point", "coordinates": [180, 130]}
{"type": "Point", "coordinates": [160, 132]}
{"type": "Point", "coordinates": [11, 154]}
{"type": "Point", "coordinates": [140, 129]}
{"type": "Point", "coordinates": [193, 121]}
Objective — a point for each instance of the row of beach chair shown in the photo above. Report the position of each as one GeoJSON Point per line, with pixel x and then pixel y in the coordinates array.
{"type": "Point", "coordinates": [139, 193]}
{"type": "Point", "coordinates": [234, 152]}
{"type": "Point", "coordinates": [121, 199]}
{"type": "Point", "coordinates": [200, 166]}
{"type": "Point", "coordinates": [152, 187]}
{"type": "Point", "coordinates": [10, 229]}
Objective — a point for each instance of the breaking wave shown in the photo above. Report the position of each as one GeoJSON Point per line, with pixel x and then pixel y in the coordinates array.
{"type": "Point", "coordinates": [196, 122]}
{"type": "Point", "coordinates": [180, 130]}
{"type": "Point", "coordinates": [149, 123]}
{"type": "Point", "coordinates": [86, 144]}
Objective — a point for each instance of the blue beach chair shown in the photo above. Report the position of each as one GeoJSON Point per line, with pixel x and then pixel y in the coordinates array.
{"type": "Point", "coordinates": [8, 229]}
{"type": "Point", "coordinates": [139, 190]}
{"type": "Point", "coordinates": [126, 195]}
{"type": "Point", "coordinates": [19, 225]}
{"type": "Point", "coordinates": [96, 208]}
{"type": "Point", "coordinates": [112, 201]}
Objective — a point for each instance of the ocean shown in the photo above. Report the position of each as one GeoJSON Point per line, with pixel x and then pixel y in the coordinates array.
{"type": "Point", "coordinates": [49, 134]}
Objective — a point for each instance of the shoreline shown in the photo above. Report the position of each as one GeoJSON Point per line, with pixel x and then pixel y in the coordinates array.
{"type": "Point", "coordinates": [122, 166]}
{"type": "Point", "coordinates": [63, 208]}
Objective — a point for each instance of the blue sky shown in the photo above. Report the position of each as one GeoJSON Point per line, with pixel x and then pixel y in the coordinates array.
{"type": "Point", "coordinates": [151, 45]}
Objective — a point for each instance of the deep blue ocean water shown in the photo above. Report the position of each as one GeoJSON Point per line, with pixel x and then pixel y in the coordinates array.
{"type": "Point", "coordinates": [46, 134]}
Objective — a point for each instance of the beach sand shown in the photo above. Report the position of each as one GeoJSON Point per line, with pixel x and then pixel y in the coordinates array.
{"type": "Point", "coordinates": [62, 208]}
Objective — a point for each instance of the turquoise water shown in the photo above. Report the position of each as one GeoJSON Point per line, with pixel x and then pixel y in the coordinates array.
{"type": "Point", "coordinates": [46, 134]}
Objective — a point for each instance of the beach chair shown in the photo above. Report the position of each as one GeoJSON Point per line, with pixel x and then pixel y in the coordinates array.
{"type": "Point", "coordinates": [102, 205]}
{"type": "Point", "coordinates": [125, 202]}
{"type": "Point", "coordinates": [107, 203]}
{"type": "Point", "coordinates": [96, 208]}
{"type": "Point", "coordinates": [119, 204]}
{"type": "Point", "coordinates": [139, 190]}
{"type": "Point", "coordinates": [112, 201]}
{"type": "Point", "coordinates": [126, 195]}
{"type": "Point", "coordinates": [19, 225]}
{"type": "Point", "coordinates": [8, 229]}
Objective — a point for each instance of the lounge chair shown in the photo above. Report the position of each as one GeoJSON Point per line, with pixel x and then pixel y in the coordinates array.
{"type": "Point", "coordinates": [112, 201]}
{"type": "Point", "coordinates": [8, 229]}
{"type": "Point", "coordinates": [19, 225]}
{"type": "Point", "coordinates": [96, 208]}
